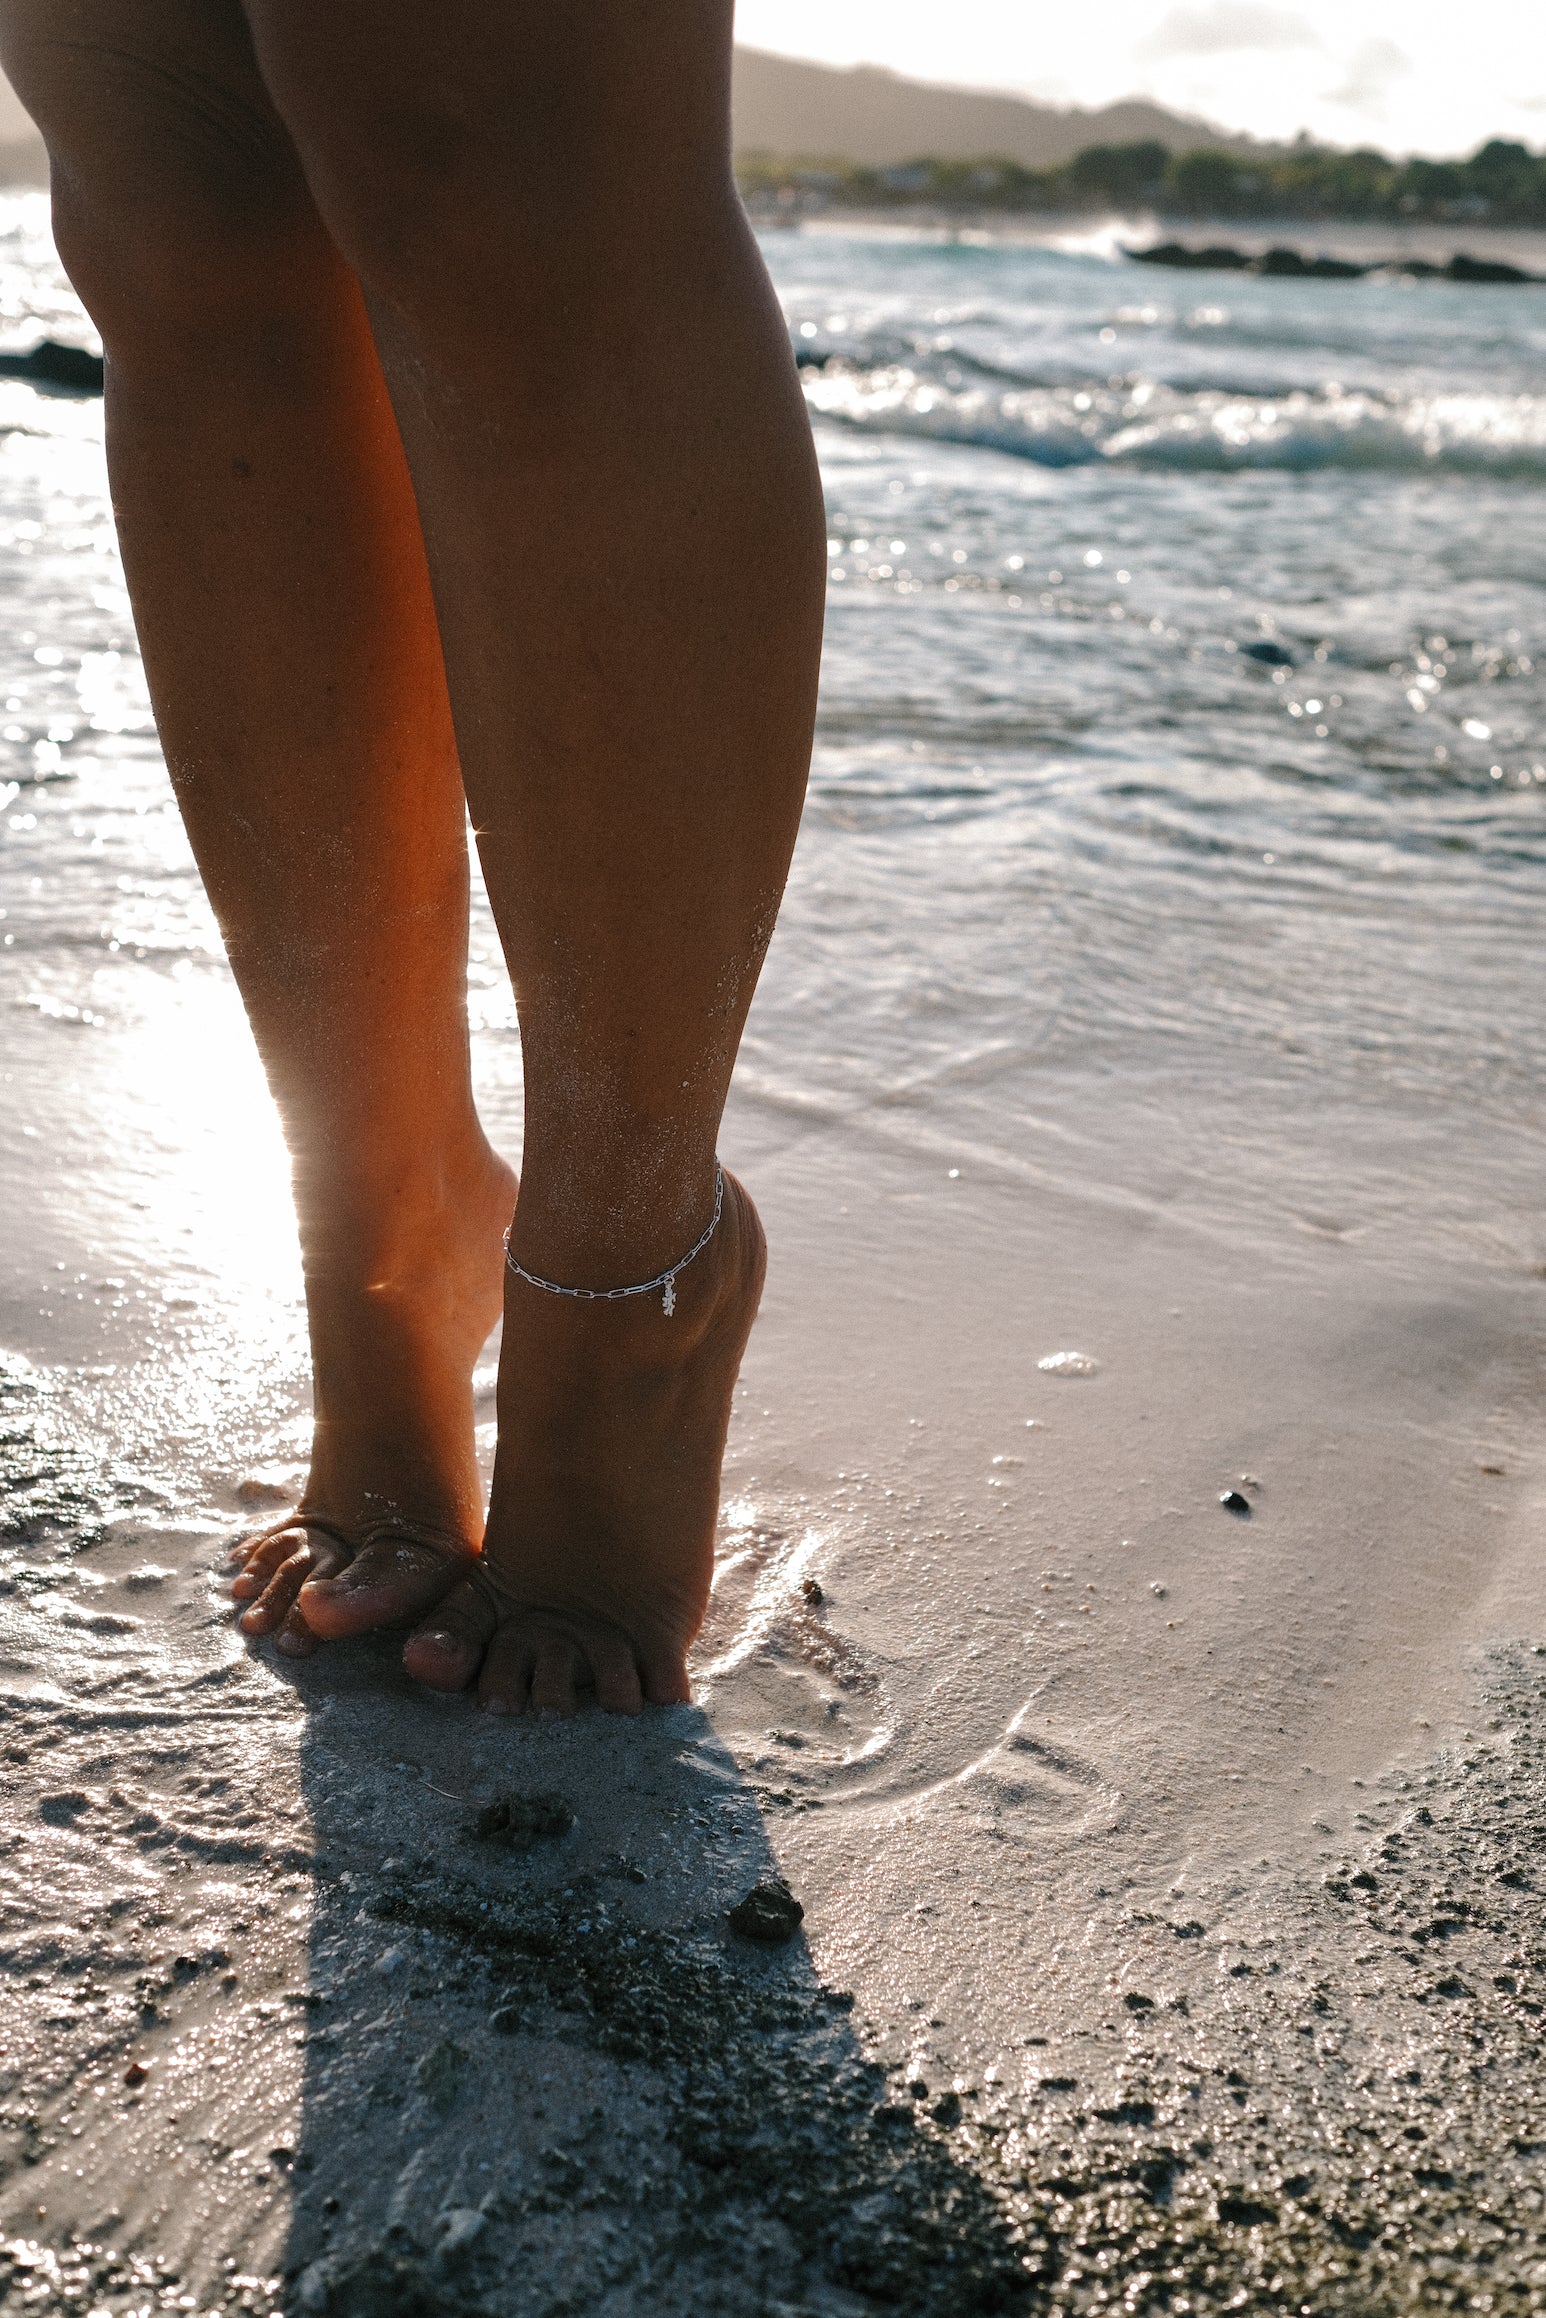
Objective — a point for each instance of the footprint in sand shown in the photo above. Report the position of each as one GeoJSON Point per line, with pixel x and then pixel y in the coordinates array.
{"type": "Point", "coordinates": [816, 1724]}
{"type": "Point", "coordinates": [804, 1712]}
{"type": "Point", "coordinates": [1034, 1783]}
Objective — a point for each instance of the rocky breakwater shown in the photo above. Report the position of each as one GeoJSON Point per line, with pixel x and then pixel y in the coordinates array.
{"type": "Point", "coordinates": [1225, 258]}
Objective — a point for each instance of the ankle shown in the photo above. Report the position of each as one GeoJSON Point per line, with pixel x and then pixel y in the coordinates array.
{"type": "Point", "coordinates": [598, 1227]}
{"type": "Point", "coordinates": [611, 1337]}
{"type": "Point", "coordinates": [380, 1225]}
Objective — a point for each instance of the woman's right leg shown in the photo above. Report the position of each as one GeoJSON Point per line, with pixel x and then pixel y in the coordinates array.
{"type": "Point", "coordinates": [277, 573]}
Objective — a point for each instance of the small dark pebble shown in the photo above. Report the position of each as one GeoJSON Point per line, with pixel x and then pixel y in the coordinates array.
{"type": "Point", "coordinates": [507, 2020]}
{"type": "Point", "coordinates": [1137, 2003]}
{"type": "Point", "coordinates": [1269, 654]}
{"type": "Point", "coordinates": [283, 2155]}
{"type": "Point", "coordinates": [1234, 1503]}
{"type": "Point", "coordinates": [770, 1912]}
{"type": "Point", "coordinates": [918, 2089]}
{"type": "Point", "coordinates": [811, 1590]}
{"type": "Point", "coordinates": [947, 2109]}
{"type": "Point", "coordinates": [330, 2205]}
{"type": "Point", "coordinates": [519, 1822]}
{"type": "Point", "coordinates": [135, 2073]}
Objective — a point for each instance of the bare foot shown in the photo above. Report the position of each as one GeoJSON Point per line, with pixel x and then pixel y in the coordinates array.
{"type": "Point", "coordinates": [391, 1514]}
{"type": "Point", "coordinates": [600, 1543]}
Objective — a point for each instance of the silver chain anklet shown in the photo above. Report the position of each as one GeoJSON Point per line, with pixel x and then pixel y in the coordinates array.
{"type": "Point", "coordinates": [666, 1280]}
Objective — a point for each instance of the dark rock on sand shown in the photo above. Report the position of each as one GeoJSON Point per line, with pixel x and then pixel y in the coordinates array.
{"type": "Point", "coordinates": [770, 1913]}
{"type": "Point", "coordinates": [51, 364]}
{"type": "Point", "coordinates": [1269, 654]}
{"type": "Point", "coordinates": [520, 1822]}
{"type": "Point", "coordinates": [1234, 1503]}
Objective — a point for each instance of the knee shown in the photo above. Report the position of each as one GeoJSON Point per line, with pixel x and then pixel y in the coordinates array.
{"type": "Point", "coordinates": [179, 209]}
{"type": "Point", "coordinates": [514, 190]}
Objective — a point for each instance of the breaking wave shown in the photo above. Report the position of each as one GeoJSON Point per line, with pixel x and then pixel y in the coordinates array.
{"type": "Point", "coordinates": [1214, 430]}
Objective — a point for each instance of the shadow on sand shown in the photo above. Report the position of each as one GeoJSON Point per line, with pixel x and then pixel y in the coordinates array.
{"type": "Point", "coordinates": [542, 2073]}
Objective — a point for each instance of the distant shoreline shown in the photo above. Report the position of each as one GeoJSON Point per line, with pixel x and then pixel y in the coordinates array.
{"type": "Point", "coordinates": [1112, 232]}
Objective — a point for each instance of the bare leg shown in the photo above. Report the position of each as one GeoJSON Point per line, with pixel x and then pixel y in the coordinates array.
{"type": "Point", "coordinates": [623, 521]}
{"type": "Point", "coordinates": [276, 566]}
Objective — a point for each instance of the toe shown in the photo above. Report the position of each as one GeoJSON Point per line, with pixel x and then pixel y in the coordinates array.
{"type": "Point", "coordinates": [295, 1638]}
{"type": "Point", "coordinates": [446, 1651]}
{"type": "Point", "coordinates": [555, 1675]}
{"type": "Point", "coordinates": [665, 1680]}
{"type": "Point", "coordinates": [504, 1686]}
{"type": "Point", "coordinates": [614, 1674]}
{"type": "Point", "coordinates": [278, 1596]}
{"type": "Point", "coordinates": [257, 1558]}
{"type": "Point", "coordinates": [387, 1584]}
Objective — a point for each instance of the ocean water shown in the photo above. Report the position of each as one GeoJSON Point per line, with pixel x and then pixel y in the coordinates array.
{"type": "Point", "coordinates": [1089, 893]}
{"type": "Point", "coordinates": [1070, 831]}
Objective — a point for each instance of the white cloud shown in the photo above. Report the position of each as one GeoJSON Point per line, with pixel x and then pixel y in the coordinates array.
{"type": "Point", "coordinates": [1373, 70]}
{"type": "Point", "coordinates": [1223, 27]}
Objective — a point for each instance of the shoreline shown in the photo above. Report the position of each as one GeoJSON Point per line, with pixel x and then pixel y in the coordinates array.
{"type": "Point", "coordinates": [1103, 232]}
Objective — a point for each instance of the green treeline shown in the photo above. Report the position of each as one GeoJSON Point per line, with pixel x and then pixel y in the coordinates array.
{"type": "Point", "coordinates": [1502, 183]}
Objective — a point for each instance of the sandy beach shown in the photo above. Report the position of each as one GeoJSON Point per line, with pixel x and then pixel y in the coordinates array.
{"type": "Point", "coordinates": [1144, 1104]}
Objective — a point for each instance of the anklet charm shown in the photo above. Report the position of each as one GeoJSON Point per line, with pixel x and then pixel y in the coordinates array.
{"type": "Point", "coordinates": [665, 1281]}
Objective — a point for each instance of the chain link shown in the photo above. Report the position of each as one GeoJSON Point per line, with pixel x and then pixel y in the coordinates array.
{"type": "Point", "coordinates": [666, 1280]}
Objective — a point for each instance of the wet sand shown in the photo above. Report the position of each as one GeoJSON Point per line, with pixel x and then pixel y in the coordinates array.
{"type": "Point", "coordinates": [1169, 1875]}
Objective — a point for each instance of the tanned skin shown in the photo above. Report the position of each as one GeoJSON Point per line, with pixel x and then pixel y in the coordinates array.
{"type": "Point", "coordinates": [460, 464]}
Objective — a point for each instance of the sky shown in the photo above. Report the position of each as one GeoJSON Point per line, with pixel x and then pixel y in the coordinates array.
{"type": "Point", "coordinates": [1416, 78]}
{"type": "Point", "coordinates": [1424, 78]}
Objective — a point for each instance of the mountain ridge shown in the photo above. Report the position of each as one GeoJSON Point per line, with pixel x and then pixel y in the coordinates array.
{"type": "Point", "coordinates": [868, 115]}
